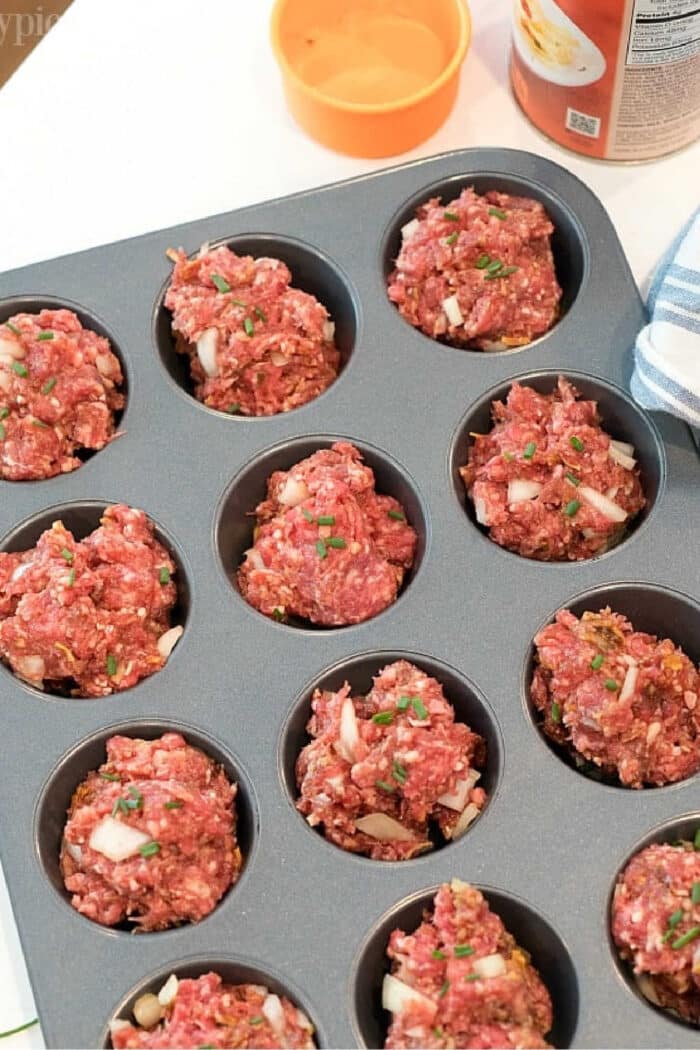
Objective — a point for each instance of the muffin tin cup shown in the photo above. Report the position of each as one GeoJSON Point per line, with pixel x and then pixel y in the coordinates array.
{"type": "Point", "coordinates": [302, 910]}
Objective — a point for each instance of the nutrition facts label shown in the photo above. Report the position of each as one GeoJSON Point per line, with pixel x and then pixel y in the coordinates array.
{"type": "Point", "coordinates": [664, 31]}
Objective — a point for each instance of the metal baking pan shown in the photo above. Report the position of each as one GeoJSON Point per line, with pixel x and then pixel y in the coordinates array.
{"type": "Point", "coordinates": [312, 919]}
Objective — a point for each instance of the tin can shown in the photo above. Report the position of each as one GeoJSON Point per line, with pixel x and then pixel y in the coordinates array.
{"type": "Point", "coordinates": [614, 79]}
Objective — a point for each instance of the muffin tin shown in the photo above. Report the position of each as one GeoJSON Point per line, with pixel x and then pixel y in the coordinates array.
{"type": "Point", "coordinates": [308, 917]}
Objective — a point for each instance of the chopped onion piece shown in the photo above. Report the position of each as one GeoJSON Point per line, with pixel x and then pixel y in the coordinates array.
{"type": "Point", "coordinates": [74, 851]}
{"type": "Point", "coordinates": [409, 229]}
{"type": "Point", "coordinates": [468, 816]}
{"type": "Point", "coordinates": [168, 992]}
{"type": "Point", "coordinates": [103, 364]}
{"type": "Point", "coordinates": [255, 558]}
{"type": "Point", "coordinates": [278, 358]}
{"type": "Point", "coordinates": [167, 642]}
{"type": "Point", "coordinates": [493, 346]}
{"type": "Point", "coordinates": [629, 684]}
{"type": "Point", "coordinates": [481, 512]}
{"type": "Point", "coordinates": [490, 965]}
{"type": "Point", "coordinates": [206, 351]}
{"type": "Point", "coordinates": [293, 492]}
{"type": "Point", "coordinates": [273, 1011]}
{"type": "Point", "coordinates": [20, 571]}
{"type": "Point", "coordinates": [349, 731]}
{"type": "Point", "coordinates": [606, 507]}
{"type": "Point", "coordinates": [11, 348]}
{"type": "Point", "coordinates": [118, 1025]}
{"type": "Point", "coordinates": [32, 667]}
{"type": "Point", "coordinates": [646, 987]}
{"type": "Point", "coordinates": [5, 378]}
{"type": "Point", "coordinates": [329, 331]}
{"type": "Point", "coordinates": [457, 799]}
{"type": "Point", "coordinates": [384, 828]}
{"type": "Point", "coordinates": [520, 490]}
{"type": "Point", "coordinates": [397, 996]}
{"type": "Point", "coordinates": [621, 457]}
{"type": "Point", "coordinates": [623, 446]}
{"type": "Point", "coordinates": [452, 310]}
{"type": "Point", "coordinates": [117, 841]}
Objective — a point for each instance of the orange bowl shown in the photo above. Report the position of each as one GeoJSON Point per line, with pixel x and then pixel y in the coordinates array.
{"type": "Point", "coordinates": [370, 78]}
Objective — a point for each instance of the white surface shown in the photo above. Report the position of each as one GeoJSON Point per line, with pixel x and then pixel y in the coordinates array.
{"type": "Point", "coordinates": [138, 114]}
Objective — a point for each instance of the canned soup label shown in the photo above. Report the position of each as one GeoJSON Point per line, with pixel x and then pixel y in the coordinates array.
{"type": "Point", "coordinates": [615, 79]}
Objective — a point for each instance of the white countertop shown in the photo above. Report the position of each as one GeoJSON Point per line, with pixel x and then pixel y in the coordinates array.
{"type": "Point", "coordinates": [138, 114]}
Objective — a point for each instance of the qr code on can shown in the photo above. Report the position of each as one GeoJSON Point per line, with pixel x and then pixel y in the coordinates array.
{"type": "Point", "coordinates": [582, 123]}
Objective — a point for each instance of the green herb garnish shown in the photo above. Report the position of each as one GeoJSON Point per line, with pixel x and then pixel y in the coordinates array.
{"type": "Point", "coordinates": [695, 893]}
{"type": "Point", "coordinates": [611, 684]}
{"type": "Point", "coordinates": [451, 216]}
{"type": "Point", "coordinates": [419, 707]}
{"type": "Point", "coordinates": [462, 950]}
{"type": "Point", "coordinates": [175, 804]}
{"type": "Point", "coordinates": [111, 777]}
{"type": "Point", "coordinates": [257, 1020]}
{"type": "Point", "coordinates": [277, 614]}
{"type": "Point", "coordinates": [530, 450]}
{"type": "Point", "coordinates": [556, 712]}
{"type": "Point", "coordinates": [71, 578]}
{"type": "Point", "coordinates": [221, 284]}
{"type": "Point", "coordinates": [686, 938]}
{"type": "Point", "coordinates": [164, 574]}
{"type": "Point", "coordinates": [120, 806]}
{"type": "Point", "coordinates": [12, 327]}
{"type": "Point", "coordinates": [696, 840]}
{"type": "Point", "coordinates": [326, 519]}
{"type": "Point", "coordinates": [49, 385]}
{"type": "Point", "coordinates": [576, 443]}
{"type": "Point", "coordinates": [452, 238]}
{"type": "Point", "coordinates": [382, 784]}
{"type": "Point", "coordinates": [483, 261]}
{"type": "Point", "coordinates": [396, 515]}
{"type": "Point", "coordinates": [437, 954]}
{"type": "Point", "coordinates": [572, 508]}
{"type": "Point", "coordinates": [43, 336]}
{"type": "Point", "coordinates": [321, 549]}
{"type": "Point", "coordinates": [399, 772]}
{"type": "Point", "coordinates": [150, 849]}
{"type": "Point", "coordinates": [111, 665]}
{"type": "Point", "coordinates": [597, 662]}
{"type": "Point", "coordinates": [234, 408]}
{"type": "Point", "coordinates": [383, 718]}
{"type": "Point", "coordinates": [4, 412]}
{"type": "Point", "coordinates": [444, 990]}
{"type": "Point", "coordinates": [307, 514]}
{"type": "Point", "coordinates": [494, 267]}
{"type": "Point", "coordinates": [19, 369]}
{"type": "Point", "coordinates": [67, 555]}
{"type": "Point", "coordinates": [3, 432]}
{"type": "Point", "coordinates": [249, 328]}
{"type": "Point", "coordinates": [40, 424]}
{"type": "Point", "coordinates": [259, 313]}
{"type": "Point", "coordinates": [499, 213]}
{"type": "Point", "coordinates": [572, 478]}
{"type": "Point", "coordinates": [403, 702]}
{"type": "Point", "coordinates": [337, 542]}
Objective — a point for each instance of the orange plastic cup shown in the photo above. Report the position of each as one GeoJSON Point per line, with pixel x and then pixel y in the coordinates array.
{"type": "Point", "coordinates": [370, 78]}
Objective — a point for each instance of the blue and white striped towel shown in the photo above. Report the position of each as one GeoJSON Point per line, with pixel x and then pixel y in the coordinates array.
{"type": "Point", "coordinates": [666, 375]}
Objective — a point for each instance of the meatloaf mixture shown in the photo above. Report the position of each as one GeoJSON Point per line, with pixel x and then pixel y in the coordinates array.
{"type": "Point", "coordinates": [460, 980]}
{"type": "Point", "coordinates": [386, 769]}
{"type": "Point", "coordinates": [547, 481]}
{"type": "Point", "coordinates": [478, 272]}
{"type": "Point", "coordinates": [656, 924]}
{"type": "Point", "coordinates": [89, 617]}
{"type": "Point", "coordinates": [59, 391]}
{"type": "Point", "coordinates": [256, 345]}
{"type": "Point", "coordinates": [205, 1012]}
{"type": "Point", "coordinates": [618, 698]}
{"type": "Point", "coordinates": [327, 548]}
{"type": "Point", "coordinates": [151, 835]}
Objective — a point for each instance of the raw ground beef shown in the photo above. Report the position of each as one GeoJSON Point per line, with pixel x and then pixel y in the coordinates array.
{"type": "Point", "coordinates": [327, 548]}
{"type": "Point", "coordinates": [656, 924]}
{"type": "Point", "coordinates": [208, 1013]}
{"type": "Point", "coordinates": [256, 345]}
{"type": "Point", "coordinates": [478, 272]}
{"type": "Point", "coordinates": [464, 982]}
{"type": "Point", "coordinates": [618, 698]}
{"type": "Point", "coordinates": [547, 481]}
{"type": "Point", "coordinates": [396, 753]}
{"type": "Point", "coordinates": [182, 804]}
{"type": "Point", "coordinates": [89, 617]}
{"type": "Point", "coordinates": [59, 391]}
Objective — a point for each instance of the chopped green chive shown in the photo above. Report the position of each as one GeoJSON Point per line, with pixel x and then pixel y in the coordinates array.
{"type": "Point", "coordinates": [383, 718]}
{"type": "Point", "coordinates": [494, 267]}
{"type": "Point", "coordinates": [257, 1020]}
{"type": "Point", "coordinates": [4, 412]}
{"type": "Point", "coordinates": [234, 409]}
{"type": "Point", "coordinates": [336, 541]}
{"type": "Point", "coordinates": [12, 327]}
{"type": "Point", "coordinates": [472, 977]}
{"type": "Point", "coordinates": [572, 478]}
{"type": "Point", "coordinates": [462, 950]}
{"type": "Point", "coordinates": [576, 443]}
{"type": "Point", "coordinates": [164, 574]}
{"type": "Point", "coordinates": [249, 327]}
{"type": "Point", "coordinates": [277, 614]}
{"type": "Point", "coordinates": [111, 665]}
{"type": "Point", "coordinates": [321, 549]}
{"type": "Point", "coordinates": [49, 385]}
{"type": "Point", "coordinates": [572, 508]}
{"type": "Point", "coordinates": [43, 336]}
{"type": "Point", "coordinates": [696, 840]}
{"type": "Point", "coordinates": [498, 212]}
{"type": "Point", "coordinates": [507, 271]}
{"type": "Point", "coordinates": [399, 773]}
{"type": "Point", "coordinates": [695, 893]}
{"type": "Point", "coordinates": [397, 515]}
{"type": "Point", "coordinates": [67, 555]}
{"type": "Point", "coordinates": [40, 424]}
{"type": "Point", "coordinates": [150, 849]}
{"type": "Point", "coordinates": [221, 284]}
{"type": "Point", "coordinates": [238, 302]}
{"type": "Point", "coordinates": [137, 798]}
{"type": "Point", "coordinates": [175, 804]}
{"type": "Point", "coordinates": [556, 712]}
{"type": "Point", "coordinates": [3, 432]}
{"type": "Point", "coordinates": [691, 935]}
{"type": "Point", "coordinates": [437, 954]}
{"type": "Point", "coordinates": [71, 578]}
{"type": "Point", "coordinates": [326, 519]}
{"type": "Point", "coordinates": [675, 919]}
{"type": "Point", "coordinates": [383, 786]}
{"type": "Point", "coordinates": [120, 806]}
{"type": "Point", "coordinates": [508, 457]}
{"type": "Point", "coordinates": [419, 707]}
{"type": "Point", "coordinates": [530, 450]}
{"type": "Point", "coordinates": [597, 662]}
{"type": "Point", "coordinates": [307, 514]}
{"type": "Point", "coordinates": [437, 1032]}
{"type": "Point", "coordinates": [452, 238]}
{"type": "Point", "coordinates": [403, 702]}
{"type": "Point", "coordinates": [451, 216]}
{"type": "Point", "coordinates": [259, 313]}
{"type": "Point", "coordinates": [19, 369]}
{"type": "Point", "coordinates": [482, 262]}
{"type": "Point", "coordinates": [444, 990]}
{"type": "Point", "coordinates": [111, 777]}
{"type": "Point", "coordinates": [611, 684]}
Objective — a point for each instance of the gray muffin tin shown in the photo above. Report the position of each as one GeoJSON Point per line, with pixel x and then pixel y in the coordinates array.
{"type": "Point", "coordinates": [307, 917]}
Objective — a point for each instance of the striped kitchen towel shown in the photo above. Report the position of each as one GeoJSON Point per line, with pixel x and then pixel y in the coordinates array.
{"type": "Point", "coordinates": [666, 375]}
